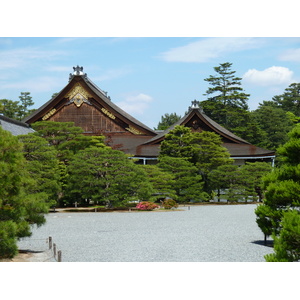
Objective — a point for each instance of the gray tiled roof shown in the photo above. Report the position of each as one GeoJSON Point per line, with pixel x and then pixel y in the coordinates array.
{"type": "Point", "coordinates": [14, 127]}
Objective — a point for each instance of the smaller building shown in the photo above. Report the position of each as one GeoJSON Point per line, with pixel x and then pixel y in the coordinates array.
{"type": "Point", "coordinates": [240, 150]}
{"type": "Point", "coordinates": [14, 127]}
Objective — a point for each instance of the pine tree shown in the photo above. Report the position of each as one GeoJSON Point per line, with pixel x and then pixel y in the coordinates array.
{"type": "Point", "coordinates": [18, 208]}
{"type": "Point", "coordinates": [282, 186]}
{"type": "Point", "coordinates": [105, 175]}
{"type": "Point", "coordinates": [227, 101]}
{"type": "Point", "coordinates": [26, 102]}
{"type": "Point", "coordinates": [167, 120]}
{"type": "Point", "coordinates": [290, 99]}
{"type": "Point", "coordinates": [203, 149]}
{"type": "Point", "coordinates": [188, 183]}
{"type": "Point", "coordinates": [287, 244]}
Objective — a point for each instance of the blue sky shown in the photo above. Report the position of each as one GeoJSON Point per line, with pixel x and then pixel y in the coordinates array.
{"type": "Point", "coordinates": [147, 76]}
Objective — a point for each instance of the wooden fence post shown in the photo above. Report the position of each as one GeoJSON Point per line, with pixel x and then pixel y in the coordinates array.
{"type": "Point", "coordinates": [54, 249]}
{"type": "Point", "coordinates": [59, 256]}
{"type": "Point", "coordinates": [50, 242]}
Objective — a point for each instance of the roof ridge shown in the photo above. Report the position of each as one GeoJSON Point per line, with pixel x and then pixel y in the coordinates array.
{"type": "Point", "coordinates": [13, 121]}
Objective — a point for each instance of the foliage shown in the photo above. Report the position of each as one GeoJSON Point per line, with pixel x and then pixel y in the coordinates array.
{"type": "Point", "coordinates": [169, 203]}
{"type": "Point", "coordinates": [167, 120]}
{"type": "Point", "coordinates": [162, 182]}
{"type": "Point", "coordinates": [203, 149]}
{"type": "Point", "coordinates": [66, 138]}
{"type": "Point", "coordinates": [26, 102]}
{"type": "Point", "coordinates": [146, 205]}
{"type": "Point", "coordinates": [178, 143]}
{"type": "Point", "coordinates": [282, 186]}
{"type": "Point", "coordinates": [209, 152]}
{"type": "Point", "coordinates": [268, 219]}
{"type": "Point", "coordinates": [222, 178]}
{"type": "Point", "coordinates": [18, 208]}
{"type": "Point", "coordinates": [287, 244]}
{"type": "Point", "coordinates": [56, 133]}
{"type": "Point", "coordinates": [274, 122]}
{"type": "Point", "coordinates": [9, 108]}
{"type": "Point", "coordinates": [188, 183]}
{"type": "Point", "coordinates": [105, 175]}
{"type": "Point", "coordinates": [42, 165]}
{"type": "Point", "coordinates": [8, 245]}
{"type": "Point", "coordinates": [290, 99]}
{"type": "Point", "coordinates": [228, 103]}
{"type": "Point", "coordinates": [251, 175]}
{"type": "Point", "coordinates": [242, 182]}
{"type": "Point", "coordinates": [289, 152]}
{"type": "Point", "coordinates": [17, 109]}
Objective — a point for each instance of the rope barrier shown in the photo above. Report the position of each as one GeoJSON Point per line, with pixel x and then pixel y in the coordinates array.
{"type": "Point", "coordinates": [59, 254]}
{"type": "Point", "coordinates": [52, 249]}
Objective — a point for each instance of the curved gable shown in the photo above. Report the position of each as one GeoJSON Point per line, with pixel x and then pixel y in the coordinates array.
{"type": "Point", "coordinates": [85, 104]}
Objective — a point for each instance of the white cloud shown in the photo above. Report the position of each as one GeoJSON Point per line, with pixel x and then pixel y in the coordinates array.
{"type": "Point", "coordinates": [206, 49]}
{"type": "Point", "coordinates": [19, 58]}
{"type": "Point", "coordinates": [136, 104]}
{"type": "Point", "coordinates": [291, 55]}
{"type": "Point", "coordinates": [35, 85]}
{"type": "Point", "coordinates": [64, 69]}
{"type": "Point", "coordinates": [113, 73]}
{"type": "Point", "coordinates": [270, 76]}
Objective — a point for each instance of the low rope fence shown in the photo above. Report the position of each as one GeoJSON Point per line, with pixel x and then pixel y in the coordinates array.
{"type": "Point", "coordinates": [57, 254]}
{"type": "Point", "coordinates": [51, 252]}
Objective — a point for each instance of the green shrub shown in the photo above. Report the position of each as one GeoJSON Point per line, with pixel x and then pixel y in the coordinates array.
{"type": "Point", "coordinates": [8, 244]}
{"type": "Point", "coordinates": [169, 203]}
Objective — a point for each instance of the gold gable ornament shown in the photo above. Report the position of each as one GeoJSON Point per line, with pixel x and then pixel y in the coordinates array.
{"type": "Point", "coordinates": [78, 100]}
{"type": "Point", "coordinates": [78, 95]}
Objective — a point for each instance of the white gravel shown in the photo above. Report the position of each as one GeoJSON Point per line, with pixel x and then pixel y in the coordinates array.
{"type": "Point", "coordinates": [212, 233]}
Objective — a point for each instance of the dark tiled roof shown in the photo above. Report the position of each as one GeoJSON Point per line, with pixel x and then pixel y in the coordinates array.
{"type": "Point", "coordinates": [14, 127]}
{"type": "Point", "coordinates": [235, 150]}
{"type": "Point", "coordinates": [238, 150]}
{"type": "Point", "coordinates": [121, 112]}
{"type": "Point", "coordinates": [101, 94]}
{"type": "Point", "coordinates": [205, 119]}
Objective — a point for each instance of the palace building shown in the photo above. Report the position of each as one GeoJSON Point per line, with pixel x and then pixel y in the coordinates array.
{"type": "Point", "coordinates": [89, 107]}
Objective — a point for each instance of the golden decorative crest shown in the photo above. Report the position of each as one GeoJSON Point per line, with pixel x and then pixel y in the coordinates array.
{"type": "Point", "coordinates": [78, 89]}
{"type": "Point", "coordinates": [78, 100]}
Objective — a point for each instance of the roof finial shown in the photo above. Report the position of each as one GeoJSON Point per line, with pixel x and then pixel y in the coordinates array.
{"type": "Point", "coordinates": [195, 104]}
{"type": "Point", "coordinates": [78, 70]}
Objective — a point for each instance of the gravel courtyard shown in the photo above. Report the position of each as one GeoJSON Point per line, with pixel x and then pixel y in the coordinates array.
{"type": "Point", "coordinates": [208, 233]}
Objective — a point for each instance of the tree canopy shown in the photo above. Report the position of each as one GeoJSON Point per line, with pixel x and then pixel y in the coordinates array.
{"type": "Point", "coordinates": [167, 120]}
{"type": "Point", "coordinates": [105, 175]}
{"type": "Point", "coordinates": [290, 99]}
{"type": "Point", "coordinates": [227, 102]}
{"type": "Point", "coordinates": [43, 165]}
{"type": "Point", "coordinates": [282, 187]}
{"type": "Point", "coordinates": [203, 149]}
{"type": "Point", "coordinates": [187, 182]}
{"type": "Point", "coordinates": [17, 110]}
{"type": "Point", "coordinates": [19, 205]}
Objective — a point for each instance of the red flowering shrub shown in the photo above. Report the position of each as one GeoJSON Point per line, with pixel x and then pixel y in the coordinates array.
{"type": "Point", "coordinates": [146, 205]}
